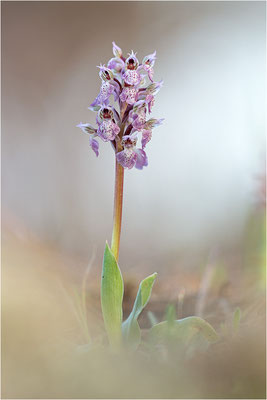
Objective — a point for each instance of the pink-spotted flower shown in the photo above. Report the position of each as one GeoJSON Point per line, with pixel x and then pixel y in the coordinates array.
{"type": "Point", "coordinates": [149, 94]}
{"type": "Point", "coordinates": [137, 116]}
{"type": "Point", "coordinates": [148, 64]}
{"type": "Point", "coordinates": [107, 128]}
{"type": "Point", "coordinates": [108, 87]}
{"type": "Point", "coordinates": [131, 76]}
{"type": "Point", "coordinates": [147, 130]}
{"type": "Point", "coordinates": [124, 122]}
{"type": "Point", "coordinates": [130, 156]}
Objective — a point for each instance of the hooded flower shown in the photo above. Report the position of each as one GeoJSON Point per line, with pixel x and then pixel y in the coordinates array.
{"type": "Point", "coordinates": [108, 87]}
{"type": "Point", "coordinates": [147, 131]}
{"type": "Point", "coordinates": [130, 156]}
{"type": "Point", "coordinates": [137, 115]}
{"type": "Point", "coordinates": [131, 76]}
{"type": "Point", "coordinates": [149, 93]}
{"type": "Point", "coordinates": [107, 128]}
{"type": "Point", "coordinates": [148, 63]}
{"type": "Point", "coordinates": [132, 62]}
{"type": "Point", "coordinates": [125, 123]}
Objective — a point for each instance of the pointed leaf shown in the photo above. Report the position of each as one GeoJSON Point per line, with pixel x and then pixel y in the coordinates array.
{"type": "Point", "coordinates": [130, 327]}
{"type": "Point", "coordinates": [170, 314]}
{"type": "Point", "coordinates": [111, 297]}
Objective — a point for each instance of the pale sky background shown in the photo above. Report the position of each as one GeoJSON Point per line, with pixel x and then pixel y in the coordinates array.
{"type": "Point", "coordinates": [203, 161]}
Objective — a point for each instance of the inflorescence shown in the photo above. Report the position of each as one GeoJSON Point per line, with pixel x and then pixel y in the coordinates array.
{"type": "Point", "coordinates": [124, 127]}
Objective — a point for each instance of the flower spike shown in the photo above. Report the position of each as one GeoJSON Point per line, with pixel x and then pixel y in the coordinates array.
{"type": "Point", "coordinates": [125, 123]}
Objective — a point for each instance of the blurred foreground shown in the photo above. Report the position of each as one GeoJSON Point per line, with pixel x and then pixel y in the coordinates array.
{"type": "Point", "coordinates": [45, 342]}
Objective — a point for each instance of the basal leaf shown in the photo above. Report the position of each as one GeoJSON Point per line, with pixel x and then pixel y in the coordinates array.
{"type": "Point", "coordinates": [111, 297]}
{"type": "Point", "coordinates": [183, 331]}
{"type": "Point", "coordinates": [130, 328]}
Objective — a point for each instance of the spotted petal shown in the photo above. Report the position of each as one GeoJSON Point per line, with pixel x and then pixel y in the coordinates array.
{"type": "Point", "coordinates": [146, 137]}
{"type": "Point", "coordinates": [127, 158]}
{"type": "Point", "coordinates": [108, 130]}
{"type": "Point", "coordinates": [141, 160]}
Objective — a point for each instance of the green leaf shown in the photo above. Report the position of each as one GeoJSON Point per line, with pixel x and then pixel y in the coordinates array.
{"type": "Point", "coordinates": [170, 314]}
{"type": "Point", "coordinates": [183, 331]}
{"type": "Point", "coordinates": [111, 297]}
{"type": "Point", "coordinates": [130, 328]}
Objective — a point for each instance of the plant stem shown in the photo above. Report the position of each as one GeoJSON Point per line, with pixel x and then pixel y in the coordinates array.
{"type": "Point", "coordinates": [117, 216]}
{"type": "Point", "coordinates": [118, 193]}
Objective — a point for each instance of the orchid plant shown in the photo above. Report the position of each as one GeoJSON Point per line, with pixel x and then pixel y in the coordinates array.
{"type": "Point", "coordinates": [123, 107]}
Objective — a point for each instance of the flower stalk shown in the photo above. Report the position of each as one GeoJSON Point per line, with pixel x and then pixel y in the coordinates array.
{"type": "Point", "coordinates": [117, 216]}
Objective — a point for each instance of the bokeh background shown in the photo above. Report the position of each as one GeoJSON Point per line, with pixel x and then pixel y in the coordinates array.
{"type": "Point", "coordinates": [199, 203]}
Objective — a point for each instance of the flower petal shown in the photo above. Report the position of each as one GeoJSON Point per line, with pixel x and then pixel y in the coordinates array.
{"type": "Point", "coordinates": [116, 64]}
{"type": "Point", "coordinates": [146, 137]}
{"type": "Point", "coordinates": [127, 158]}
{"type": "Point", "coordinates": [154, 87]}
{"type": "Point", "coordinates": [150, 73]}
{"type": "Point", "coordinates": [108, 130]}
{"type": "Point", "coordinates": [141, 160]}
{"type": "Point", "coordinates": [117, 51]}
{"type": "Point", "coordinates": [129, 94]}
{"type": "Point", "coordinates": [150, 59]}
{"type": "Point", "coordinates": [86, 128]}
{"type": "Point", "coordinates": [153, 123]}
{"type": "Point", "coordinates": [94, 144]}
{"type": "Point", "coordinates": [132, 77]}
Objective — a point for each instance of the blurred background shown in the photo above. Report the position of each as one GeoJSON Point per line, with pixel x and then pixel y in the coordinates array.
{"type": "Point", "coordinates": [195, 214]}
